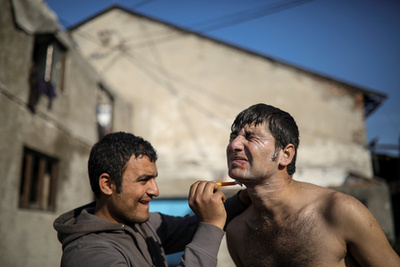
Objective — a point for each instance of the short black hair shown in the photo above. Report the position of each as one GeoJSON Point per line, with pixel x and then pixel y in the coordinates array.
{"type": "Point", "coordinates": [111, 154]}
{"type": "Point", "coordinates": [280, 123]}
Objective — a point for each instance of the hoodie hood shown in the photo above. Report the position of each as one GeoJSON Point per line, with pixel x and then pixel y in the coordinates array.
{"type": "Point", "coordinates": [82, 221]}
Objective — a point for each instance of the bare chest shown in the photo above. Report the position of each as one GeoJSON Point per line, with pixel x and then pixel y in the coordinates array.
{"type": "Point", "coordinates": [295, 241]}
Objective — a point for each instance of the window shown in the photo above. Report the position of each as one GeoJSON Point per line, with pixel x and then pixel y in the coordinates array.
{"type": "Point", "coordinates": [104, 112]}
{"type": "Point", "coordinates": [38, 181]}
{"type": "Point", "coordinates": [47, 69]}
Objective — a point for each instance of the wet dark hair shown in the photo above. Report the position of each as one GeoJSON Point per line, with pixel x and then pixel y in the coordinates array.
{"type": "Point", "coordinates": [280, 123]}
{"type": "Point", "coordinates": [111, 154]}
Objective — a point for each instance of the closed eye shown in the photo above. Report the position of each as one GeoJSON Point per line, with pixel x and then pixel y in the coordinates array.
{"type": "Point", "coordinates": [232, 136]}
{"type": "Point", "coordinates": [250, 135]}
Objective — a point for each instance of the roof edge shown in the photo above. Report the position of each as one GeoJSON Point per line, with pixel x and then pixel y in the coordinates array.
{"type": "Point", "coordinates": [372, 98]}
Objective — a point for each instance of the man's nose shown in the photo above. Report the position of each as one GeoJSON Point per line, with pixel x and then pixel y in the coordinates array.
{"type": "Point", "coordinates": [236, 143]}
{"type": "Point", "coordinates": [153, 188]}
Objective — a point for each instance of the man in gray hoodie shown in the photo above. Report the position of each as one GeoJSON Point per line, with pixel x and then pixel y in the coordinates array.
{"type": "Point", "coordinates": [118, 229]}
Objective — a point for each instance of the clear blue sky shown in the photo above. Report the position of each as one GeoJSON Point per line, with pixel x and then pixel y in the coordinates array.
{"type": "Point", "coordinates": [355, 41]}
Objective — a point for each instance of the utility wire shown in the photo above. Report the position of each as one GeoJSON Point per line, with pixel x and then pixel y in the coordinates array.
{"type": "Point", "coordinates": [176, 78]}
{"type": "Point", "coordinates": [161, 79]}
{"type": "Point", "coordinates": [141, 3]}
{"type": "Point", "coordinates": [245, 16]}
{"type": "Point", "coordinates": [222, 21]}
{"type": "Point", "coordinates": [166, 83]}
{"type": "Point", "coordinates": [231, 19]}
{"type": "Point", "coordinates": [206, 26]}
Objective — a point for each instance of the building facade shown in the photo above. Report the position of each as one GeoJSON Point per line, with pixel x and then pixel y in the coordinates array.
{"type": "Point", "coordinates": [185, 90]}
{"type": "Point", "coordinates": [50, 113]}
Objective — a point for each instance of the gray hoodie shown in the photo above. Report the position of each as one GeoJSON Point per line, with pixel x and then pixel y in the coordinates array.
{"type": "Point", "coordinates": [88, 240]}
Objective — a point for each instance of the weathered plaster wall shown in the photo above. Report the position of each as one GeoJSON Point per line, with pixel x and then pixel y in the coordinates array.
{"type": "Point", "coordinates": [66, 132]}
{"type": "Point", "coordinates": [185, 91]}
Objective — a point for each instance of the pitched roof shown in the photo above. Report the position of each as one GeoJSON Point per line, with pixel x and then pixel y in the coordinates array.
{"type": "Point", "coordinates": [372, 99]}
{"type": "Point", "coordinates": [34, 17]}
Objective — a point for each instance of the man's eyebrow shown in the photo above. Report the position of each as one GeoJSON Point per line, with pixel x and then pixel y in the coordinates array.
{"type": "Point", "coordinates": [249, 132]}
{"type": "Point", "coordinates": [145, 177]}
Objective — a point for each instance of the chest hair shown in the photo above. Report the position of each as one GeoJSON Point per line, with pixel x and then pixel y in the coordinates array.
{"type": "Point", "coordinates": [288, 242]}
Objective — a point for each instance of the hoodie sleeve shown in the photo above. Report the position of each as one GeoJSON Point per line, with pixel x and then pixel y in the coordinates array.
{"type": "Point", "coordinates": [204, 247]}
{"type": "Point", "coordinates": [200, 241]}
{"type": "Point", "coordinates": [174, 232]}
{"type": "Point", "coordinates": [203, 250]}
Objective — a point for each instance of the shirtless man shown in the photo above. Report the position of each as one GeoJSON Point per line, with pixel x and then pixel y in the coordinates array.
{"type": "Point", "coordinates": [291, 223]}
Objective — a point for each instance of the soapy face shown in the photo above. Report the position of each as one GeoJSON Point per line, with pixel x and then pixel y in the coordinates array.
{"type": "Point", "coordinates": [251, 154]}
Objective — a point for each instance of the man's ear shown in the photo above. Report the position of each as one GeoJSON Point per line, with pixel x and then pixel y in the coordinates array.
{"type": "Point", "coordinates": [288, 154]}
{"type": "Point", "coordinates": [106, 184]}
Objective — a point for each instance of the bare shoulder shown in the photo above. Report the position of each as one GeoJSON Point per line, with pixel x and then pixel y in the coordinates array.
{"type": "Point", "coordinates": [345, 206]}
{"type": "Point", "coordinates": [335, 207]}
{"type": "Point", "coordinates": [352, 222]}
{"type": "Point", "coordinates": [322, 197]}
{"type": "Point", "coordinates": [326, 196]}
{"type": "Point", "coordinates": [348, 216]}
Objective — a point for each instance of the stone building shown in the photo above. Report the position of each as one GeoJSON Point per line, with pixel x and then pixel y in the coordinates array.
{"type": "Point", "coordinates": [120, 70]}
{"type": "Point", "coordinates": [49, 97]}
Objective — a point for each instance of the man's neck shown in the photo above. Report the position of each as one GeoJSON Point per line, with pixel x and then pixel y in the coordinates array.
{"type": "Point", "coordinates": [271, 197]}
{"type": "Point", "coordinates": [101, 211]}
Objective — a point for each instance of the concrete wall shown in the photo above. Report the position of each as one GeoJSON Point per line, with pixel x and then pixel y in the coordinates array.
{"type": "Point", "coordinates": [66, 132]}
{"type": "Point", "coordinates": [185, 91]}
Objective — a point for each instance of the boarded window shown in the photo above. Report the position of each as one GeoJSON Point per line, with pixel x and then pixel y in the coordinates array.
{"type": "Point", "coordinates": [38, 181]}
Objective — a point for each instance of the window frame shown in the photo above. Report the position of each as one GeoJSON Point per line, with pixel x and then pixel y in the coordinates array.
{"type": "Point", "coordinates": [36, 191]}
{"type": "Point", "coordinates": [104, 97]}
{"type": "Point", "coordinates": [49, 57]}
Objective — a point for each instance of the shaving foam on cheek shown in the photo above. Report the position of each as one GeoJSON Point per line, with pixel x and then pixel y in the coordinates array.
{"type": "Point", "coordinates": [272, 153]}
